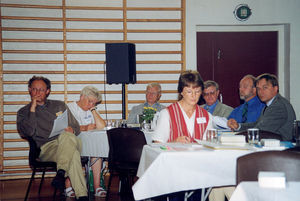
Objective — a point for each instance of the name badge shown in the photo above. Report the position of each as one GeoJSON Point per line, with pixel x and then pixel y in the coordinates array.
{"type": "Point", "coordinates": [59, 113]}
{"type": "Point", "coordinates": [201, 120]}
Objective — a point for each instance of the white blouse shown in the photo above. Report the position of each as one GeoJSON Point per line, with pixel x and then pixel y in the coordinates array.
{"type": "Point", "coordinates": [83, 117]}
{"type": "Point", "coordinates": [162, 131]}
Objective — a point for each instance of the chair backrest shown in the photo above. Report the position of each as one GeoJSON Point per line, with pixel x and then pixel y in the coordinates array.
{"type": "Point", "coordinates": [248, 166]}
{"type": "Point", "coordinates": [263, 135]}
{"type": "Point", "coordinates": [34, 151]}
{"type": "Point", "coordinates": [296, 131]}
{"type": "Point", "coordinates": [125, 145]}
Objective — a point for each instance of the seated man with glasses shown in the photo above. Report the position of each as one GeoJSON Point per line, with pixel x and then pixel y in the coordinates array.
{"type": "Point", "coordinates": [36, 120]}
{"type": "Point", "coordinates": [153, 94]}
{"type": "Point", "coordinates": [212, 104]}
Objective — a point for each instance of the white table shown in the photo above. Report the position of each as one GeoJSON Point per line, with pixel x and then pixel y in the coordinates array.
{"type": "Point", "coordinates": [185, 168]}
{"type": "Point", "coordinates": [250, 191]}
{"type": "Point", "coordinates": [95, 143]}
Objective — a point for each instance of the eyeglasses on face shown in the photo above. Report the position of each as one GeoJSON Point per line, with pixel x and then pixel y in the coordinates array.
{"type": "Point", "coordinates": [41, 90]}
{"type": "Point", "coordinates": [92, 101]}
{"type": "Point", "coordinates": [152, 93]}
{"type": "Point", "coordinates": [209, 93]}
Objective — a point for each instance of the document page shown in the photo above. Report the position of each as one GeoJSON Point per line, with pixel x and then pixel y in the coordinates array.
{"type": "Point", "coordinates": [60, 123]}
{"type": "Point", "coordinates": [220, 122]}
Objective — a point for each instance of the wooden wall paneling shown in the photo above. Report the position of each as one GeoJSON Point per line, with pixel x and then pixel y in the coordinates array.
{"type": "Point", "coordinates": [15, 150]}
{"type": "Point", "coordinates": [125, 40]}
{"type": "Point", "coordinates": [1, 100]}
{"type": "Point", "coordinates": [53, 43]}
{"type": "Point", "coordinates": [65, 50]}
{"type": "Point", "coordinates": [183, 27]}
{"type": "Point", "coordinates": [156, 61]}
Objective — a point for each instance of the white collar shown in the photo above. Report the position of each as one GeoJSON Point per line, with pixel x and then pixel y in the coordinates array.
{"type": "Point", "coordinates": [270, 101]}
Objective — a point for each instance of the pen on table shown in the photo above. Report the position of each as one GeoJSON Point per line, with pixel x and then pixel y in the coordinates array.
{"type": "Point", "coordinates": [165, 148]}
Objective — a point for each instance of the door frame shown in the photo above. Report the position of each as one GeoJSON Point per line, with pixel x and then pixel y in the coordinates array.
{"type": "Point", "coordinates": [283, 47]}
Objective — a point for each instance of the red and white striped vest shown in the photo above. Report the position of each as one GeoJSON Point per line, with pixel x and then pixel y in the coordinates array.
{"type": "Point", "coordinates": [178, 125]}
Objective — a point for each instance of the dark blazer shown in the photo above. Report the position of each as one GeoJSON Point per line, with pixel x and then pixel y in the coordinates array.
{"type": "Point", "coordinates": [277, 118]}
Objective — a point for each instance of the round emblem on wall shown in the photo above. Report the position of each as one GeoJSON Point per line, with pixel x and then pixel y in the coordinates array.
{"type": "Point", "coordinates": [242, 12]}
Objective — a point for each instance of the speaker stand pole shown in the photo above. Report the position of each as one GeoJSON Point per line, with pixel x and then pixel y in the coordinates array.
{"type": "Point", "coordinates": [123, 102]}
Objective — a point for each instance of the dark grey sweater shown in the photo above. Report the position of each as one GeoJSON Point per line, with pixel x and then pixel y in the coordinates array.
{"type": "Point", "coordinates": [38, 124]}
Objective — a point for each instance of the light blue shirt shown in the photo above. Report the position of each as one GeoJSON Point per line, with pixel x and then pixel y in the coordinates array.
{"type": "Point", "coordinates": [211, 108]}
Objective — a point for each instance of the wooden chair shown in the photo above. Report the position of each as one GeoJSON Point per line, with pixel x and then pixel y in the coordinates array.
{"type": "Point", "coordinates": [248, 166]}
{"type": "Point", "coordinates": [125, 149]}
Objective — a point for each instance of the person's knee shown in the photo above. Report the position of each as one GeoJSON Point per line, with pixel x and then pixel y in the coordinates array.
{"type": "Point", "coordinates": [68, 137]}
{"type": "Point", "coordinates": [217, 194]}
{"type": "Point", "coordinates": [229, 191]}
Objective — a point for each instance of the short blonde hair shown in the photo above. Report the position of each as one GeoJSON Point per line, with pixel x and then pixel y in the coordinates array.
{"type": "Point", "coordinates": [91, 91]}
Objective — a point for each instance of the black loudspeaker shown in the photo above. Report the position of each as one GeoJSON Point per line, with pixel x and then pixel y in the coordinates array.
{"type": "Point", "coordinates": [120, 63]}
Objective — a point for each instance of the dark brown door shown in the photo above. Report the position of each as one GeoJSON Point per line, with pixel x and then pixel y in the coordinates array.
{"type": "Point", "coordinates": [226, 57]}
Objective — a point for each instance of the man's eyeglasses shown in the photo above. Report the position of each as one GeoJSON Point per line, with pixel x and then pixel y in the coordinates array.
{"type": "Point", "coordinates": [209, 93]}
{"type": "Point", "coordinates": [152, 93]}
{"type": "Point", "coordinates": [38, 90]}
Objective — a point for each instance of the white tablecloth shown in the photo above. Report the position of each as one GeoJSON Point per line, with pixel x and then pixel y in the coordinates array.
{"type": "Point", "coordinates": [95, 143]}
{"type": "Point", "coordinates": [250, 191]}
{"type": "Point", "coordinates": [166, 171]}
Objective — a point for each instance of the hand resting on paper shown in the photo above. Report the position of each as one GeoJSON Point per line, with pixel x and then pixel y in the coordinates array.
{"type": "Point", "coordinates": [183, 139]}
{"type": "Point", "coordinates": [233, 124]}
{"type": "Point", "coordinates": [88, 127]}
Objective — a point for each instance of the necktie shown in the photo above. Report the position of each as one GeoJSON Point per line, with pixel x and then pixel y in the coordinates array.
{"type": "Point", "coordinates": [244, 113]}
{"type": "Point", "coordinates": [265, 109]}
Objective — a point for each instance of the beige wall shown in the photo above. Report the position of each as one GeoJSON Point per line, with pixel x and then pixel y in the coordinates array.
{"type": "Point", "coordinates": [64, 40]}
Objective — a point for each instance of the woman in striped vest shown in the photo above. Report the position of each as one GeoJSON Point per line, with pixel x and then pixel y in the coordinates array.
{"type": "Point", "coordinates": [184, 121]}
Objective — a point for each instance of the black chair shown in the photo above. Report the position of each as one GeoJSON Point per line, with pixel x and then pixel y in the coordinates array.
{"type": "Point", "coordinates": [38, 166]}
{"type": "Point", "coordinates": [262, 135]}
{"type": "Point", "coordinates": [125, 149]}
{"type": "Point", "coordinates": [45, 166]}
{"type": "Point", "coordinates": [294, 149]}
{"type": "Point", "coordinates": [296, 132]}
{"type": "Point", "coordinates": [248, 166]}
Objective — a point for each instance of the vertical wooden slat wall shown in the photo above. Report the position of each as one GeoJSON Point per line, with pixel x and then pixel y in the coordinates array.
{"type": "Point", "coordinates": [65, 41]}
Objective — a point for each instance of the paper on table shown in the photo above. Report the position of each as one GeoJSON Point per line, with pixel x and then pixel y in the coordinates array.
{"type": "Point", "coordinates": [60, 123]}
{"type": "Point", "coordinates": [220, 122]}
{"type": "Point", "coordinates": [232, 139]}
{"type": "Point", "coordinates": [177, 146]}
{"type": "Point", "coordinates": [218, 146]}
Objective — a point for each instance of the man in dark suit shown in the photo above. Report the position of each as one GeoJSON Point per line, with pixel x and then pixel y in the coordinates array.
{"type": "Point", "coordinates": [278, 115]}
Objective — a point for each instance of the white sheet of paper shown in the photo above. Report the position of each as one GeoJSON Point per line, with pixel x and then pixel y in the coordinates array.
{"type": "Point", "coordinates": [220, 122]}
{"type": "Point", "coordinates": [60, 123]}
